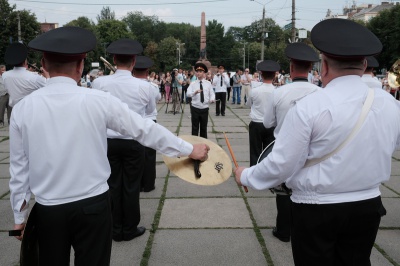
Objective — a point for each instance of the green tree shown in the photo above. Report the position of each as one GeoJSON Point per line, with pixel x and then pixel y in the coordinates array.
{"type": "Point", "coordinates": [386, 26]}
{"type": "Point", "coordinates": [167, 54]}
{"type": "Point", "coordinates": [145, 28]}
{"type": "Point", "coordinates": [82, 22]}
{"type": "Point", "coordinates": [5, 12]}
{"type": "Point", "coordinates": [106, 32]}
{"type": "Point", "coordinates": [217, 51]}
{"type": "Point", "coordinates": [30, 28]}
{"type": "Point", "coordinates": [106, 14]}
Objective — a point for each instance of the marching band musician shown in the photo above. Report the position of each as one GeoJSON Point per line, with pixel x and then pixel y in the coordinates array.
{"type": "Point", "coordinates": [259, 136]}
{"type": "Point", "coordinates": [202, 94]}
{"type": "Point", "coordinates": [126, 155]}
{"type": "Point", "coordinates": [141, 71]}
{"type": "Point", "coordinates": [301, 58]}
{"type": "Point", "coordinates": [19, 81]}
{"type": "Point", "coordinates": [368, 77]}
{"type": "Point", "coordinates": [220, 82]}
{"type": "Point", "coordinates": [58, 153]}
{"type": "Point", "coordinates": [336, 203]}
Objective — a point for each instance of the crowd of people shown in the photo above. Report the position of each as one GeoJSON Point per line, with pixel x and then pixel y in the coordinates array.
{"type": "Point", "coordinates": [86, 154]}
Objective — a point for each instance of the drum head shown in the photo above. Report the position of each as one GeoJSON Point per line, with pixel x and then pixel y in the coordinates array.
{"type": "Point", "coordinates": [215, 170]}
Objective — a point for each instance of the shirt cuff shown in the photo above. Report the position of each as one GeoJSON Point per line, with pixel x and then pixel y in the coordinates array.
{"type": "Point", "coordinates": [186, 148]}
{"type": "Point", "coordinates": [20, 217]}
{"type": "Point", "coordinates": [243, 178]}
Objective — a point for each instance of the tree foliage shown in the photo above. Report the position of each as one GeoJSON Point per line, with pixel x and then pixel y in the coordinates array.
{"type": "Point", "coordinates": [106, 14]}
{"type": "Point", "coordinates": [386, 26]}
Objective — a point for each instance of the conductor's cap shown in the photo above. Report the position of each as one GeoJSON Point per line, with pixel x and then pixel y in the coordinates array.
{"type": "Point", "coordinates": [268, 66]}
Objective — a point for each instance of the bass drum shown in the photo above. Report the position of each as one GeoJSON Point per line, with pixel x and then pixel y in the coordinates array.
{"type": "Point", "coordinates": [282, 189]}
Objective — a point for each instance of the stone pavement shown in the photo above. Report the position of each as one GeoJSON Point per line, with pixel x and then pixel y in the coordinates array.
{"type": "Point", "coordinates": [220, 225]}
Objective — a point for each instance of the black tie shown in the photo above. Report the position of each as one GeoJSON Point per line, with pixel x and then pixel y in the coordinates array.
{"type": "Point", "coordinates": [221, 80]}
{"type": "Point", "coordinates": [201, 93]}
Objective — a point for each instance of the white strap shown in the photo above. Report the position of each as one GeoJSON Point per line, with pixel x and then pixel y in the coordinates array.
{"type": "Point", "coordinates": [366, 107]}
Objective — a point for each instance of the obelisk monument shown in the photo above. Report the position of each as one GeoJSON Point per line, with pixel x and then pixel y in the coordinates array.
{"type": "Point", "coordinates": [203, 44]}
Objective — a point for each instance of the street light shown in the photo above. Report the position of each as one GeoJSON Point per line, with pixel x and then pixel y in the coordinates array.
{"type": "Point", "coordinates": [178, 45]}
{"type": "Point", "coordinates": [263, 29]}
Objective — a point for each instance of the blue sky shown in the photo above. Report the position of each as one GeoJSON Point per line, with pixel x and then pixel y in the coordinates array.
{"type": "Point", "coordinates": [228, 12]}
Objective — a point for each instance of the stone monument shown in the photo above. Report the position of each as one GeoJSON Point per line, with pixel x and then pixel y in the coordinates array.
{"type": "Point", "coordinates": [203, 45]}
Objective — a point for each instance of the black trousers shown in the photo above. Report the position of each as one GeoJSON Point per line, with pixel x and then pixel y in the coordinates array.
{"type": "Point", "coordinates": [126, 158]}
{"type": "Point", "coordinates": [259, 138]}
{"type": "Point", "coordinates": [149, 173]}
{"type": "Point", "coordinates": [284, 215]}
{"type": "Point", "coordinates": [220, 100]}
{"type": "Point", "coordinates": [85, 225]}
{"type": "Point", "coordinates": [199, 121]}
{"type": "Point", "coordinates": [335, 234]}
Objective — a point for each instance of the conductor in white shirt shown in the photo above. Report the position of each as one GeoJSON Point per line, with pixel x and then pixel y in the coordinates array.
{"type": "Point", "coordinates": [220, 83]}
{"type": "Point", "coordinates": [336, 203]}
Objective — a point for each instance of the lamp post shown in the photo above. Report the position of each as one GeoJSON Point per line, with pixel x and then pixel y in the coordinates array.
{"type": "Point", "coordinates": [262, 29]}
{"type": "Point", "coordinates": [178, 48]}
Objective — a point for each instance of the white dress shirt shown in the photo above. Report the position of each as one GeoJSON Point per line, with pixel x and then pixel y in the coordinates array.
{"type": "Point", "coordinates": [258, 99]}
{"type": "Point", "coordinates": [20, 82]}
{"type": "Point", "coordinates": [282, 99]}
{"type": "Point", "coordinates": [209, 95]}
{"type": "Point", "coordinates": [58, 143]}
{"type": "Point", "coordinates": [217, 82]}
{"type": "Point", "coordinates": [246, 79]}
{"type": "Point", "coordinates": [137, 93]}
{"type": "Point", "coordinates": [317, 125]}
{"type": "Point", "coordinates": [371, 81]}
{"type": "Point", "coordinates": [156, 97]}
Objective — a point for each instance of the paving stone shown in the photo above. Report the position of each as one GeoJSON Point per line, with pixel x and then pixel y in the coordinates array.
{"type": "Point", "coordinates": [3, 156]}
{"type": "Point", "coordinates": [392, 218]}
{"type": "Point", "coordinates": [264, 211]}
{"type": "Point", "coordinates": [281, 252]}
{"type": "Point", "coordinates": [388, 193]}
{"type": "Point", "coordinates": [5, 146]}
{"type": "Point", "coordinates": [388, 240]}
{"type": "Point", "coordinates": [129, 252]}
{"type": "Point", "coordinates": [222, 247]}
{"type": "Point", "coordinates": [204, 213]}
{"type": "Point", "coordinates": [395, 168]}
{"type": "Point", "coordinates": [148, 208]}
{"type": "Point", "coordinates": [10, 247]}
{"type": "Point", "coordinates": [178, 188]}
{"type": "Point", "coordinates": [157, 192]}
{"type": "Point", "coordinates": [394, 184]}
{"type": "Point", "coordinates": [6, 214]}
{"type": "Point", "coordinates": [5, 170]}
{"type": "Point", "coordinates": [4, 187]}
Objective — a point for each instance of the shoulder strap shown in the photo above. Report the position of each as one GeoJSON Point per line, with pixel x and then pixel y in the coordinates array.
{"type": "Point", "coordinates": [364, 112]}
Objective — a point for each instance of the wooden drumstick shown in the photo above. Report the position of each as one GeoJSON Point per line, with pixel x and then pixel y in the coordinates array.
{"type": "Point", "coordinates": [233, 157]}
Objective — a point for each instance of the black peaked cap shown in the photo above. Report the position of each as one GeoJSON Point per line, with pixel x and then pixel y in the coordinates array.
{"type": "Point", "coordinates": [201, 66]}
{"type": "Point", "coordinates": [372, 62]}
{"type": "Point", "coordinates": [221, 65]}
{"type": "Point", "coordinates": [301, 51]}
{"type": "Point", "coordinates": [344, 38]}
{"type": "Point", "coordinates": [143, 62]}
{"type": "Point", "coordinates": [16, 54]}
{"type": "Point", "coordinates": [268, 66]}
{"type": "Point", "coordinates": [125, 47]}
{"type": "Point", "coordinates": [65, 40]}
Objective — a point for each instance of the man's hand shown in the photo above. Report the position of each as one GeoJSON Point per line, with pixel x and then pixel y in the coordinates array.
{"type": "Point", "coordinates": [238, 174]}
{"type": "Point", "coordinates": [19, 227]}
{"type": "Point", "coordinates": [200, 152]}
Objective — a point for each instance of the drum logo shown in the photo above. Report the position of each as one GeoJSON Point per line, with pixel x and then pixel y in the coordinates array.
{"type": "Point", "coordinates": [219, 166]}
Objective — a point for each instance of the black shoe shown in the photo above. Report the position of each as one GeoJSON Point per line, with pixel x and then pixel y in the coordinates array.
{"type": "Point", "coordinates": [281, 238]}
{"type": "Point", "coordinates": [139, 231]}
{"type": "Point", "coordinates": [217, 114]}
{"type": "Point", "coordinates": [149, 189]}
{"type": "Point", "coordinates": [117, 238]}
{"type": "Point", "coordinates": [223, 114]}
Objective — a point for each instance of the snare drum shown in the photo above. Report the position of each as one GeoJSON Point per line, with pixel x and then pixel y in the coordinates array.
{"type": "Point", "coordinates": [282, 189]}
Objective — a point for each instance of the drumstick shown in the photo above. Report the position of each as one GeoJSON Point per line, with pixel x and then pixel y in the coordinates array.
{"type": "Point", "coordinates": [233, 157]}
